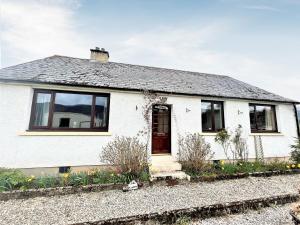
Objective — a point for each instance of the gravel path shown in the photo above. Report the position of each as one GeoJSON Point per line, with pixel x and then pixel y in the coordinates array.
{"type": "Point", "coordinates": [277, 215]}
{"type": "Point", "coordinates": [110, 204]}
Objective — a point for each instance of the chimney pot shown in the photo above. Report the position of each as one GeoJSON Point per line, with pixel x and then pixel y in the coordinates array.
{"type": "Point", "coordinates": [100, 55]}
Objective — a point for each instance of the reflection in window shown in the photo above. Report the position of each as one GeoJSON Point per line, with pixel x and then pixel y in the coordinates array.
{"type": "Point", "coordinates": [218, 112]}
{"type": "Point", "coordinates": [64, 122]}
{"type": "Point", "coordinates": [262, 118]}
{"type": "Point", "coordinates": [76, 107]}
{"type": "Point", "coordinates": [160, 120]}
{"type": "Point", "coordinates": [206, 116]}
{"type": "Point", "coordinates": [68, 110]}
{"type": "Point", "coordinates": [100, 112]}
{"type": "Point", "coordinates": [42, 109]}
{"type": "Point", "coordinates": [252, 117]}
{"type": "Point", "coordinates": [212, 116]}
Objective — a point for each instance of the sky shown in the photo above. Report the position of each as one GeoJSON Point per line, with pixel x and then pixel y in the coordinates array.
{"type": "Point", "coordinates": [255, 41]}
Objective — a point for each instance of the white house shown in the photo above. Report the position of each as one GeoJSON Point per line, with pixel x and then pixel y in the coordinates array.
{"type": "Point", "coordinates": [60, 111]}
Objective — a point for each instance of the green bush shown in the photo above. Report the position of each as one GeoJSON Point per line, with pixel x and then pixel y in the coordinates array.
{"type": "Point", "coordinates": [295, 153]}
{"type": "Point", "coordinates": [11, 179]}
{"type": "Point", "coordinates": [223, 138]}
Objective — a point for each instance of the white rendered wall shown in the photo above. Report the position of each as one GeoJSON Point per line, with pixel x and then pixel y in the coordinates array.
{"type": "Point", "coordinates": [126, 118]}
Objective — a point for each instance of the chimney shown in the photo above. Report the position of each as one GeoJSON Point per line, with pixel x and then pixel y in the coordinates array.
{"type": "Point", "coordinates": [100, 55]}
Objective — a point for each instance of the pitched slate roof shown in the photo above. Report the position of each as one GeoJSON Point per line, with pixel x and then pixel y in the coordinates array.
{"type": "Point", "coordinates": [84, 72]}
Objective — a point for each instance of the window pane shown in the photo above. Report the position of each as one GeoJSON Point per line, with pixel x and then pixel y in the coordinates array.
{"type": "Point", "coordinates": [252, 117]}
{"type": "Point", "coordinates": [206, 116]}
{"type": "Point", "coordinates": [72, 111]}
{"type": "Point", "coordinates": [265, 118]}
{"type": "Point", "coordinates": [42, 109]}
{"type": "Point", "coordinates": [218, 116]}
{"type": "Point", "coordinates": [100, 112]}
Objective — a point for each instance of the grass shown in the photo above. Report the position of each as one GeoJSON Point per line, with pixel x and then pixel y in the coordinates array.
{"type": "Point", "coordinates": [16, 180]}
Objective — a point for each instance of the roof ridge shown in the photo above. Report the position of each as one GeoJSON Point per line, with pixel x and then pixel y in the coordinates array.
{"type": "Point", "coordinates": [154, 67]}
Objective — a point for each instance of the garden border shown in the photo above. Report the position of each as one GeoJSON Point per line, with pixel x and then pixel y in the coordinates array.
{"type": "Point", "coordinates": [169, 217]}
{"type": "Point", "coordinates": [243, 175]}
{"type": "Point", "coordinates": [48, 192]}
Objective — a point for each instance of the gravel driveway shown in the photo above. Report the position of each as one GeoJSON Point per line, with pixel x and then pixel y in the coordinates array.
{"type": "Point", "coordinates": [277, 215]}
{"type": "Point", "coordinates": [111, 204]}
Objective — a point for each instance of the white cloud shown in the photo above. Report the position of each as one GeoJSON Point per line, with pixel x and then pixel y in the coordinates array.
{"type": "Point", "coordinates": [262, 7]}
{"type": "Point", "coordinates": [34, 28]}
{"type": "Point", "coordinates": [187, 49]}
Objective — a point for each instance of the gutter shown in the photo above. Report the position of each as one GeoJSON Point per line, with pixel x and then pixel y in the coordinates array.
{"type": "Point", "coordinates": [297, 120]}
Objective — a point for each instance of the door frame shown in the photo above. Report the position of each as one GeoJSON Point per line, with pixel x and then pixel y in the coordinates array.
{"type": "Point", "coordinates": [169, 128]}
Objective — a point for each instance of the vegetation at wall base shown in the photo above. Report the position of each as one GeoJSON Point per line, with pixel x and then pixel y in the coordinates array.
{"type": "Point", "coordinates": [16, 180]}
{"type": "Point", "coordinates": [241, 169]}
{"type": "Point", "coordinates": [295, 153]}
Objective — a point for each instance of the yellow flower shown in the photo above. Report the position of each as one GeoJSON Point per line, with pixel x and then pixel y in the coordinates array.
{"type": "Point", "coordinates": [112, 175]}
{"type": "Point", "coordinates": [66, 175]}
{"type": "Point", "coordinates": [293, 166]}
{"type": "Point", "coordinates": [288, 167]}
{"type": "Point", "coordinates": [222, 162]}
{"type": "Point", "coordinates": [31, 178]}
{"type": "Point", "coordinates": [298, 165]}
{"type": "Point", "coordinates": [222, 168]}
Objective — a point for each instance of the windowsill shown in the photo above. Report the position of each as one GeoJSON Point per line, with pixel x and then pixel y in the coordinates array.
{"type": "Point", "coordinates": [63, 133]}
{"type": "Point", "coordinates": [266, 134]}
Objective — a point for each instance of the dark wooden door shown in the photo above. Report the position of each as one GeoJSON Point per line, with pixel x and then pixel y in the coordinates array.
{"type": "Point", "coordinates": [161, 129]}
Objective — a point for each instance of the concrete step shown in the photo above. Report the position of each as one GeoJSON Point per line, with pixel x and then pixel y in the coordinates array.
{"type": "Point", "coordinates": [164, 163]}
{"type": "Point", "coordinates": [165, 167]}
{"type": "Point", "coordinates": [173, 175]}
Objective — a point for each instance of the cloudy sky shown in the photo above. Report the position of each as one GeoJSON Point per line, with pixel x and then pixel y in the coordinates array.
{"type": "Point", "coordinates": [255, 41]}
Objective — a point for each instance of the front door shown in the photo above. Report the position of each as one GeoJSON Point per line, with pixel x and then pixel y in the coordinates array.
{"type": "Point", "coordinates": [161, 129]}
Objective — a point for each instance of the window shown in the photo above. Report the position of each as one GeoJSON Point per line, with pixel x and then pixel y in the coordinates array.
{"type": "Point", "coordinates": [262, 118]}
{"type": "Point", "coordinates": [59, 110]}
{"type": "Point", "coordinates": [212, 116]}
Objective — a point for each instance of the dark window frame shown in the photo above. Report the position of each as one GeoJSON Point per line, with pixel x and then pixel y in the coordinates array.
{"type": "Point", "coordinates": [213, 122]}
{"type": "Point", "coordinates": [51, 111]}
{"type": "Point", "coordinates": [255, 119]}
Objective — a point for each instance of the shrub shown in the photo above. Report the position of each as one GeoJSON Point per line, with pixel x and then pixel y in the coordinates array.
{"type": "Point", "coordinates": [127, 154]}
{"type": "Point", "coordinates": [295, 153]}
{"type": "Point", "coordinates": [11, 179]}
{"type": "Point", "coordinates": [223, 138]}
{"type": "Point", "coordinates": [194, 152]}
{"type": "Point", "coordinates": [276, 165]}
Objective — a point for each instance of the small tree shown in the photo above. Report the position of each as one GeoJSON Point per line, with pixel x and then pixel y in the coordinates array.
{"type": "Point", "coordinates": [295, 153]}
{"type": "Point", "coordinates": [193, 152]}
{"type": "Point", "coordinates": [223, 138]}
{"type": "Point", "coordinates": [128, 154]}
